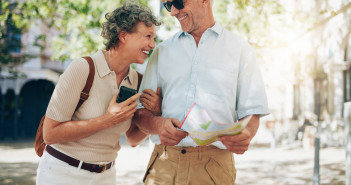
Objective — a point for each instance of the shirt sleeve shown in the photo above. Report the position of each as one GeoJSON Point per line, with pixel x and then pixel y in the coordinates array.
{"type": "Point", "coordinates": [251, 95]}
{"type": "Point", "coordinates": [150, 78]}
{"type": "Point", "coordinates": [66, 95]}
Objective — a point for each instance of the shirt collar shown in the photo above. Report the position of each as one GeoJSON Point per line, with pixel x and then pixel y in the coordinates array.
{"type": "Point", "coordinates": [215, 28]}
{"type": "Point", "coordinates": [101, 64]}
{"type": "Point", "coordinates": [130, 75]}
{"type": "Point", "coordinates": [103, 68]}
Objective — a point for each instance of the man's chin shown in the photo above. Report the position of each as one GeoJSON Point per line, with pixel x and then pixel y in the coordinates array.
{"type": "Point", "coordinates": [185, 29]}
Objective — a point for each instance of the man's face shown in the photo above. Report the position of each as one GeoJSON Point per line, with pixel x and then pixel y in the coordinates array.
{"type": "Point", "coordinates": [190, 16]}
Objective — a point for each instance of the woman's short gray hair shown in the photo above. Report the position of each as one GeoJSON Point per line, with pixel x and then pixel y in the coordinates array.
{"type": "Point", "coordinates": [124, 19]}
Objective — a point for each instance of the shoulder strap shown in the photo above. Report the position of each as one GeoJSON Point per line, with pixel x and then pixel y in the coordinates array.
{"type": "Point", "coordinates": [140, 77]}
{"type": "Point", "coordinates": [84, 95]}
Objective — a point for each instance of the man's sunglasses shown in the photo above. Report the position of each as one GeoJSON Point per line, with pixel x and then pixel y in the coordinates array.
{"type": "Point", "coordinates": [178, 4]}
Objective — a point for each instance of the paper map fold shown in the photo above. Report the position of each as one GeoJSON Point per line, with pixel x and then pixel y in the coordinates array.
{"type": "Point", "coordinates": [203, 130]}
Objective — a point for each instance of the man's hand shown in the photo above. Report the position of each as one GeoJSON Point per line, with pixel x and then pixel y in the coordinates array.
{"type": "Point", "coordinates": [239, 143]}
{"type": "Point", "coordinates": [152, 101]}
{"type": "Point", "coordinates": [168, 132]}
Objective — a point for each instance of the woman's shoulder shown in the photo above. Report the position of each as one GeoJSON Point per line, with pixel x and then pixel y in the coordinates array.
{"type": "Point", "coordinates": [77, 70]}
{"type": "Point", "coordinates": [79, 65]}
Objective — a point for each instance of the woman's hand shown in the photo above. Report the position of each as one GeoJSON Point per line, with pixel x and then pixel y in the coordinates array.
{"type": "Point", "coordinates": [121, 112]}
{"type": "Point", "coordinates": [63, 132]}
{"type": "Point", "coordinates": [152, 101]}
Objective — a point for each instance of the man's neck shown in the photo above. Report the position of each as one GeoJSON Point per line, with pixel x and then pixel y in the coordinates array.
{"type": "Point", "coordinates": [198, 34]}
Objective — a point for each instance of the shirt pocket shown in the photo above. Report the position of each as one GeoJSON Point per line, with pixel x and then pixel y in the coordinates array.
{"type": "Point", "coordinates": [218, 81]}
{"type": "Point", "coordinates": [224, 62]}
{"type": "Point", "coordinates": [219, 109]}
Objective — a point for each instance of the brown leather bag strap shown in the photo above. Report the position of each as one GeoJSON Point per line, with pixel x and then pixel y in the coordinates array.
{"type": "Point", "coordinates": [84, 95]}
{"type": "Point", "coordinates": [140, 77]}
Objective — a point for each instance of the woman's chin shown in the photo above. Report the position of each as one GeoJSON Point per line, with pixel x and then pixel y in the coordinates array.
{"type": "Point", "coordinates": [141, 61]}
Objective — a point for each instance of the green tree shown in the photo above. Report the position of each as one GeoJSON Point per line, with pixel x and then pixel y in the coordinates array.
{"type": "Point", "coordinates": [250, 19]}
{"type": "Point", "coordinates": [76, 24]}
{"type": "Point", "coordinates": [11, 26]}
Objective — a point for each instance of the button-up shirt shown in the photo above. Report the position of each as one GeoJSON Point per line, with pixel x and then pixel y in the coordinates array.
{"type": "Point", "coordinates": [221, 74]}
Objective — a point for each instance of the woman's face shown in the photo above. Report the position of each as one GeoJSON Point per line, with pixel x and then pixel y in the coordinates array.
{"type": "Point", "coordinates": [140, 42]}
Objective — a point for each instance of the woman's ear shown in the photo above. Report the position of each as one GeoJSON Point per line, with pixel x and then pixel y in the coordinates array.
{"type": "Point", "coordinates": [122, 37]}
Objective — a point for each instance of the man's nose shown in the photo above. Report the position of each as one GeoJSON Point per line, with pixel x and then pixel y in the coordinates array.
{"type": "Point", "coordinates": [174, 11]}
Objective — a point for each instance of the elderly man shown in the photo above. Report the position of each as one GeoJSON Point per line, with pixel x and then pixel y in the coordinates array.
{"type": "Point", "coordinates": [206, 64]}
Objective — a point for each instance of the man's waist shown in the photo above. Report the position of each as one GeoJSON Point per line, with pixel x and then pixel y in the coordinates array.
{"type": "Point", "coordinates": [187, 142]}
{"type": "Point", "coordinates": [189, 151]}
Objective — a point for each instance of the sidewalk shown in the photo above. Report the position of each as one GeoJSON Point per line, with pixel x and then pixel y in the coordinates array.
{"type": "Point", "coordinates": [258, 166]}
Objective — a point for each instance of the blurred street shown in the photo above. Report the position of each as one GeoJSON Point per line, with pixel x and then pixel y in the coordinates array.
{"type": "Point", "coordinates": [260, 165]}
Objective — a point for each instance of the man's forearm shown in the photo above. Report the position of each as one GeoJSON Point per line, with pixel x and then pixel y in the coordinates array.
{"type": "Point", "coordinates": [146, 121]}
{"type": "Point", "coordinates": [253, 125]}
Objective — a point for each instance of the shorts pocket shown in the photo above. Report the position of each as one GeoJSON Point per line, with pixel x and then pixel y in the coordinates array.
{"type": "Point", "coordinates": [153, 158]}
{"type": "Point", "coordinates": [218, 173]}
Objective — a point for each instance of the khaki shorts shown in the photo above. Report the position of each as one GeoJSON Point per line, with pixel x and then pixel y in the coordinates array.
{"type": "Point", "coordinates": [190, 166]}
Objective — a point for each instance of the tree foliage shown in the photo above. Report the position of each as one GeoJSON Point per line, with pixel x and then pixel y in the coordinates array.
{"type": "Point", "coordinates": [11, 25]}
{"type": "Point", "coordinates": [250, 19]}
{"type": "Point", "coordinates": [75, 24]}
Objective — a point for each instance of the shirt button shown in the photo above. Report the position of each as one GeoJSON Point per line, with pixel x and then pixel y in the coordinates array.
{"type": "Point", "coordinates": [195, 63]}
{"type": "Point", "coordinates": [183, 151]}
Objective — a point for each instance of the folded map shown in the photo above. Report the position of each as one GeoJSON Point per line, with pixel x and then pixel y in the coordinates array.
{"type": "Point", "coordinates": [203, 130]}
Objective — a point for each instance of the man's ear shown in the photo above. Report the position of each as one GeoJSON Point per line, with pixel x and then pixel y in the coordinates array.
{"type": "Point", "coordinates": [122, 37]}
{"type": "Point", "coordinates": [206, 3]}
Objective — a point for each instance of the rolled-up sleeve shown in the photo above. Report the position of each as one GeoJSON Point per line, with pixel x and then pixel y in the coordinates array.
{"type": "Point", "coordinates": [251, 95]}
{"type": "Point", "coordinates": [150, 78]}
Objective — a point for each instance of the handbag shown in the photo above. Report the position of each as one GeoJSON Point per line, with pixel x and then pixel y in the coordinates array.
{"type": "Point", "coordinates": [39, 143]}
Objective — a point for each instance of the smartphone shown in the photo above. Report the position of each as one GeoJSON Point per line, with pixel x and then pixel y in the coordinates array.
{"type": "Point", "coordinates": [125, 93]}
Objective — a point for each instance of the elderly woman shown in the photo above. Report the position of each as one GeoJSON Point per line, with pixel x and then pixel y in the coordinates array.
{"type": "Point", "coordinates": [82, 145]}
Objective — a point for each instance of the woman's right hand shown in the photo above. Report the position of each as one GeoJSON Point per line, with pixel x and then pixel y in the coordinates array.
{"type": "Point", "coordinates": [121, 112]}
{"type": "Point", "coordinates": [63, 132]}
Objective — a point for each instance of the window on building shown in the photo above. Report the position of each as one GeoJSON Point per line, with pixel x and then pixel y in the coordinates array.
{"type": "Point", "coordinates": [13, 36]}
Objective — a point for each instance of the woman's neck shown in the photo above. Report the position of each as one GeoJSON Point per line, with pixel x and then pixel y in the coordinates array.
{"type": "Point", "coordinates": [118, 63]}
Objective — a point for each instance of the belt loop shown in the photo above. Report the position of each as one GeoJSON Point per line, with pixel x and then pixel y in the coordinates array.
{"type": "Point", "coordinates": [80, 164]}
{"type": "Point", "coordinates": [165, 149]}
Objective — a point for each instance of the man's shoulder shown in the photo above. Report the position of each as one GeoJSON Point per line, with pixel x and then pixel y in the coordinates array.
{"type": "Point", "coordinates": [233, 37]}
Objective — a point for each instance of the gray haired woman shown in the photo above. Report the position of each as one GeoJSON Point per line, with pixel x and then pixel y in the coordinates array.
{"type": "Point", "coordinates": [82, 144]}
